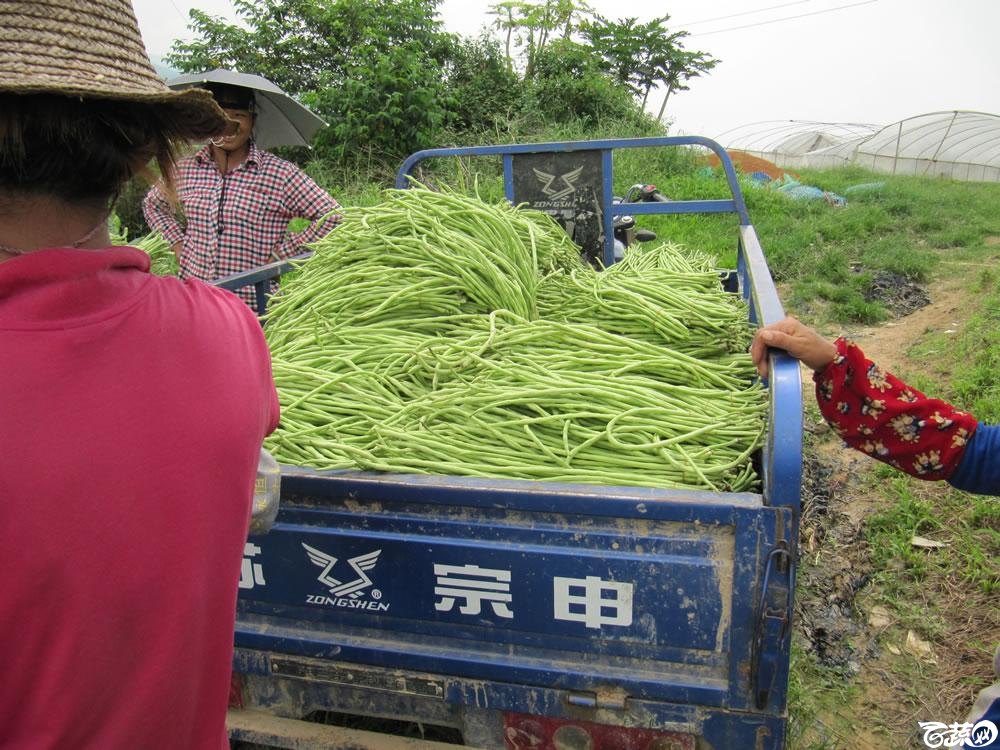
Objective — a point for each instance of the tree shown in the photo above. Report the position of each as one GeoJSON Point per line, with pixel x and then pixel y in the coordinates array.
{"type": "Point", "coordinates": [391, 104]}
{"type": "Point", "coordinates": [532, 24]}
{"type": "Point", "coordinates": [569, 84]}
{"type": "Point", "coordinates": [680, 69]}
{"type": "Point", "coordinates": [643, 55]}
{"type": "Point", "coordinates": [295, 42]}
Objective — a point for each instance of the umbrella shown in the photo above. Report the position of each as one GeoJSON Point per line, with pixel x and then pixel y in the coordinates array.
{"type": "Point", "coordinates": [280, 121]}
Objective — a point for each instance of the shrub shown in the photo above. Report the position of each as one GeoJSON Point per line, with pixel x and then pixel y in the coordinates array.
{"type": "Point", "coordinates": [568, 84]}
{"type": "Point", "coordinates": [484, 93]}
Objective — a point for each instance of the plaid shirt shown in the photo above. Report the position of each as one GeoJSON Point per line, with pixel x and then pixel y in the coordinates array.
{"type": "Point", "coordinates": [238, 221]}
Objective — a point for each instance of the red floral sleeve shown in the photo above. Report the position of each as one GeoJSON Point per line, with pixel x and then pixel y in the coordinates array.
{"type": "Point", "coordinates": [875, 412]}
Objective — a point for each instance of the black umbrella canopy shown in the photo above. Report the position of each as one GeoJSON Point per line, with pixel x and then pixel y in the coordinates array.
{"type": "Point", "coordinates": [280, 121]}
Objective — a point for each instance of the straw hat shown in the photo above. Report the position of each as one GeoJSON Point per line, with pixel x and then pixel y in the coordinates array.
{"type": "Point", "coordinates": [92, 50]}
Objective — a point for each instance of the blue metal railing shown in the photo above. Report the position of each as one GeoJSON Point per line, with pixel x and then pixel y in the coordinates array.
{"type": "Point", "coordinates": [735, 204]}
{"type": "Point", "coordinates": [261, 278]}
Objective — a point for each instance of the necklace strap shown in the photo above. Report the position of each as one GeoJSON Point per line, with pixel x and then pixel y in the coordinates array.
{"type": "Point", "coordinates": [20, 251]}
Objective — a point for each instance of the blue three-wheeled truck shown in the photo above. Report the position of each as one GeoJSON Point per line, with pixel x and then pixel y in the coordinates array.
{"type": "Point", "coordinates": [517, 614]}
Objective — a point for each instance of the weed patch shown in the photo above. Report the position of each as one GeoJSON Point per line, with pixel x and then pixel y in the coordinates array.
{"type": "Point", "coordinates": [976, 382]}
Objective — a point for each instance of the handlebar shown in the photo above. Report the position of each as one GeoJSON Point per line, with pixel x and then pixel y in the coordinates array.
{"type": "Point", "coordinates": [645, 193]}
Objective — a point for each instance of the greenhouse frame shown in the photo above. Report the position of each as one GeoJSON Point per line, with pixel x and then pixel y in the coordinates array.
{"type": "Point", "coordinates": [957, 144]}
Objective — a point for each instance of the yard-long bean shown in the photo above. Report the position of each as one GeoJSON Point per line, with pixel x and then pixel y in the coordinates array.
{"type": "Point", "coordinates": [436, 333]}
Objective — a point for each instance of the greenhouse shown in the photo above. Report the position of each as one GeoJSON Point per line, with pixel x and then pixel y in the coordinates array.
{"type": "Point", "coordinates": [958, 145]}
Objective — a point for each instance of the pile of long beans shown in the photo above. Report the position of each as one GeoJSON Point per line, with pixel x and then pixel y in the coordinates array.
{"type": "Point", "coordinates": [566, 426]}
{"type": "Point", "coordinates": [163, 262]}
{"type": "Point", "coordinates": [655, 295]}
{"type": "Point", "coordinates": [421, 255]}
{"type": "Point", "coordinates": [640, 259]}
{"type": "Point", "coordinates": [572, 402]}
{"type": "Point", "coordinates": [428, 335]}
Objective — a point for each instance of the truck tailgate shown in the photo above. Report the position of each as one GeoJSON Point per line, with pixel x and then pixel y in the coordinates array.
{"type": "Point", "coordinates": [564, 586]}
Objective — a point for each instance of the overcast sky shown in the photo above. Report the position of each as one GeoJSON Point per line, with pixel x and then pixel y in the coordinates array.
{"type": "Point", "coordinates": [854, 61]}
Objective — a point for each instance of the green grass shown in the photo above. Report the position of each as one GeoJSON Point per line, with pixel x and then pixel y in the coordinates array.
{"type": "Point", "coordinates": [817, 698]}
{"type": "Point", "coordinates": [944, 596]}
{"type": "Point", "coordinates": [976, 384]}
{"type": "Point", "coordinates": [970, 357]}
{"type": "Point", "coordinates": [901, 229]}
{"type": "Point", "coordinates": [889, 533]}
{"type": "Point", "coordinates": [829, 255]}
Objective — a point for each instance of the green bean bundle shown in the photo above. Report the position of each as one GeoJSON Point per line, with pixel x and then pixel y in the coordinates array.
{"type": "Point", "coordinates": [507, 413]}
{"type": "Point", "coordinates": [524, 399]}
{"type": "Point", "coordinates": [660, 297]}
{"type": "Point", "coordinates": [573, 430]}
{"type": "Point", "coordinates": [437, 334]}
{"type": "Point", "coordinates": [667, 256]}
{"type": "Point", "coordinates": [163, 261]}
{"type": "Point", "coordinates": [329, 412]}
{"type": "Point", "coordinates": [555, 346]}
{"type": "Point", "coordinates": [421, 254]}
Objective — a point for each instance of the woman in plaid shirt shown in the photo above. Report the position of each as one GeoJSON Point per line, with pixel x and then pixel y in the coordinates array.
{"type": "Point", "coordinates": [237, 201]}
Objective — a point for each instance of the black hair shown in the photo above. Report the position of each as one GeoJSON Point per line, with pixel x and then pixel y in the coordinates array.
{"type": "Point", "coordinates": [82, 149]}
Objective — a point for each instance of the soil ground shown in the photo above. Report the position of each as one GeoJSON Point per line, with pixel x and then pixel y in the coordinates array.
{"type": "Point", "coordinates": [749, 164]}
{"type": "Point", "coordinates": [834, 611]}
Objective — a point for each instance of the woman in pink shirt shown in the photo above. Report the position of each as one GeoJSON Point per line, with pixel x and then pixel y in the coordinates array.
{"type": "Point", "coordinates": [132, 408]}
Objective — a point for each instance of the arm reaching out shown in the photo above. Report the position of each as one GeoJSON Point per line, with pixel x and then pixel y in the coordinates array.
{"type": "Point", "coordinates": [877, 413]}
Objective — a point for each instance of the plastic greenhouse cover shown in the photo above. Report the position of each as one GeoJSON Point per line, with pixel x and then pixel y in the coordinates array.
{"type": "Point", "coordinates": [957, 144]}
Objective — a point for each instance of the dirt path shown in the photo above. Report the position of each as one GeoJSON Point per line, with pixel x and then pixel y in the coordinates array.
{"type": "Point", "coordinates": [888, 343]}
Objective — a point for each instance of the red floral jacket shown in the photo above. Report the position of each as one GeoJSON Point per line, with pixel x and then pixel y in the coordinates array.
{"type": "Point", "coordinates": [875, 412]}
